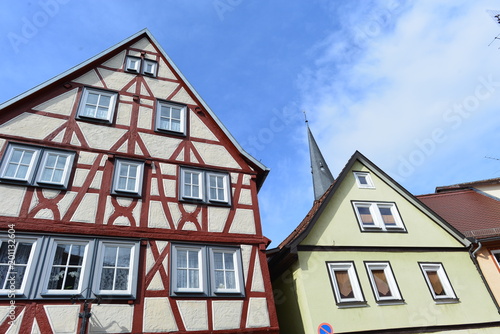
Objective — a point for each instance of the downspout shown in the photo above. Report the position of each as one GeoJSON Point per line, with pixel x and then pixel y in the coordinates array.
{"type": "Point", "coordinates": [474, 260]}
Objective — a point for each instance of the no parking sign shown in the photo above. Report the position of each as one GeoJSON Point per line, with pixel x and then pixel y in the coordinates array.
{"type": "Point", "coordinates": [325, 328]}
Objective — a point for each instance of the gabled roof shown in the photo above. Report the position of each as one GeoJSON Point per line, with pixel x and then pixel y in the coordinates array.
{"type": "Point", "coordinates": [62, 78]}
{"type": "Point", "coordinates": [471, 212]}
{"type": "Point", "coordinates": [306, 225]}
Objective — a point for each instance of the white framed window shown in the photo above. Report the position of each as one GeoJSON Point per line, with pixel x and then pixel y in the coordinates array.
{"type": "Point", "coordinates": [364, 180]}
{"type": "Point", "coordinates": [171, 117]}
{"type": "Point", "coordinates": [67, 268]}
{"type": "Point", "coordinates": [496, 256]}
{"type": "Point", "coordinates": [188, 269]}
{"type": "Point", "coordinates": [16, 265]}
{"type": "Point", "coordinates": [149, 67]}
{"type": "Point", "coordinates": [133, 64]}
{"type": "Point", "coordinates": [20, 163]}
{"type": "Point", "coordinates": [205, 186]}
{"type": "Point", "coordinates": [437, 281]}
{"type": "Point", "coordinates": [128, 177]}
{"type": "Point", "coordinates": [206, 270]}
{"type": "Point", "coordinates": [218, 187]}
{"type": "Point", "coordinates": [224, 264]}
{"type": "Point", "coordinates": [378, 216]}
{"type": "Point", "coordinates": [97, 104]}
{"type": "Point", "coordinates": [345, 283]}
{"type": "Point", "coordinates": [382, 280]}
{"type": "Point", "coordinates": [116, 266]}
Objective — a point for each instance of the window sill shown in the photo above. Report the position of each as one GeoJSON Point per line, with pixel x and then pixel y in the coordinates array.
{"type": "Point", "coordinates": [352, 304]}
{"type": "Point", "coordinates": [447, 301]}
{"type": "Point", "coordinates": [391, 302]}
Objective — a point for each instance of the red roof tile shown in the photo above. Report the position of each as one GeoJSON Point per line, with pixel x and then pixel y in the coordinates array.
{"type": "Point", "coordinates": [469, 211]}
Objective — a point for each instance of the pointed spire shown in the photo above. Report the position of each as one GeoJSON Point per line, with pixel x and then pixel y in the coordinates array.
{"type": "Point", "coordinates": [322, 177]}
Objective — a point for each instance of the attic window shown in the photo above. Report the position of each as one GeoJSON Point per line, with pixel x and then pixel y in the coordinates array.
{"type": "Point", "coordinates": [381, 216]}
{"type": "Point", "coordinates": [149, 67]}
{"type": "Point", "coordinates": [133, 64]}
{"type": "Point", "coordinates": [171, 117]}
{"type": "Point", "coordinates": [364, 180]}
{"type": "Point", "coordinates": [140, 65]}
{"type": "Point", "coordinates": [97, 105]}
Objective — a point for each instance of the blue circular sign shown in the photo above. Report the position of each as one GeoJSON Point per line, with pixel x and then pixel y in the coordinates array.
{"type": "Point", "coordinates": [325, 329]}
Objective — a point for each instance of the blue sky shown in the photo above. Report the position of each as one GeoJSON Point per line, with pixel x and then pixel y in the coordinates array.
{"type": "Point", "coordinates": [413, 85]}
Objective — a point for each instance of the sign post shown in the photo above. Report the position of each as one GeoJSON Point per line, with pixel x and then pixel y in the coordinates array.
{"type": "Point", "coordinates": [325, 328]}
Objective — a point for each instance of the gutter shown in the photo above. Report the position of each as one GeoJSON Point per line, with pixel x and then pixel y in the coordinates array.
{"type": "Point", "coordinates": [478, 268]}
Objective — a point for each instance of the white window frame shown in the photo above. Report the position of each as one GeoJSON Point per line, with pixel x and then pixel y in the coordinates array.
{"type": "Point", "coordinates": [369, 183]}
{"type": "Point", "coordinates": [225, 187]}
{"type": "Point", "coordinates": [201, 269]}
{"type": "Point", "coordinates": [145, 63]}
{"type": "Point", "coordinates": [37, 165]}
{"type": "Point", "coordinates": [183, 116]}
{"type": "Point", "coordinates": [449, 293]}
{"type": "Point", "coordinates": [236, 255]}
{"type": "Point", "coordinates": [494, 254]}
{"type": "Point", "coordinates": [133, 268]}
{"type": "Point", "coordinates": [69, 156]}
{"type": "Point", "coordinates": [133, 64]}
{"type": "Point", "coordinates": [207, 271]}
{"type": "Point", "coordinates": [137, 191]}
{"type": "Point", "coordinates": [11, 148]}
{"type": "Point", "coordinates": [85, 268]}
{"type": "Point", "coordinates": [201, 184]}
{"type": "Point", "coordinates": [379, 225]}
{"type": "Point", "coordinates": [111, 107]}
{"type": "Point", "coordinates": [12, 244]}
{"type": "Point", "coordinates": [358, 297]}
{"type": "Point", "coordinates": [204, 188]}
{"type": "Point", "coordinates": [391, 281]}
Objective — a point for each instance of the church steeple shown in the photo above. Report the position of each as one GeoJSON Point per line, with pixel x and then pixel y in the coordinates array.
{"type": "Point", "coordinates": [321, 175]}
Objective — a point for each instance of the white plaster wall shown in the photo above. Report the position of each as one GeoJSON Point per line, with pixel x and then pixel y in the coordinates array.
{"type": "Point", "coordinates": [160, 89]}
{"type": "Point", "coordinates": [198, 129]}
{"type": "Point", "coordinates": [158, 316]}
{"type": "Point", "coordinates": [183, 97]}
{"type": "Point", "coordinates": [108, 318]}
{"type": "Point", "coordinates": [246, 252]}
{"type": "Point", "coordinates": [164, 71]}
{"type": "Point", "coordinates": [61, 105]}
{"type": "Point", "coordinates": [159, 146]}
{"type": "Point", "coordinates": [215, 155]}
{"type": "Point", "coordinates": [226, 314]}
{"type": "Point", "coordinates": [65, 202]}
{"type": "Point", "coordinates": [63, 319]}
{"type": "Point", "coordinates": [124, 114]}
{"type": "Point", "coordinates": [115, 80]}
{"type": "Point", "coordinates": [157, 217]}
{"type": "Point", "coordinates": [175, 213]}
{"type": "Point", "coordinates": [11, 200]}
{"type": "Point", "coordinates": [24, 124]}
{"type": "Point", "coordinates": [194, 314]}
{"type": "Point", "coordinates": [258, 314]}
{"type": "Point", "coordinates": [143, 44]}
{"type": "Point", "coordinates": [86, 158]}
{"type": "Point", "coordinates": [243, 222]}
{"type": "Point", "coordinates": [99, 139]}
{"type": "Point", "coordinates": [257, 281]}
{"type": "Point", "coordinates": [217, 218]}
{"type": "Point", "coordinates": [90, 78]}
{"type": "Point", "coordinates": [245, 197]}
{"type": "Point", "coordinates": [86, 211]}
{"type": "Point", "coordinates": [145, 119]}
{"type": "Point", "coordinates": [16, 325]}
{"type": "Point", "coordinates": [116, 62]}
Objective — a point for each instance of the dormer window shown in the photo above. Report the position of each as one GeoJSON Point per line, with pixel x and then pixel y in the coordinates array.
{"type": "Point", "coordinates": [97, 105]}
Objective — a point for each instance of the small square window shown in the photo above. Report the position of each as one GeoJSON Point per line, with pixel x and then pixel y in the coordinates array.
{"type": "Point", "coordinates": [383, 282]}
{"type": "Point", "coordinates": [364, 180]}
{"type": "Point", "coordinates": [133, 64]}
{"type": "Point", "coordinates": [218, 185]}
{"type": "Point", "coordinates": [117, 264]}
{"type": "Point", "coordinates": [226, 277]}
{"type": "Point", "coordinates": [20, 162]}
{"type": "Point", "coordinates": [188, 269]}
{"type": "Point", "coordinates": [97, 105]}
{"type": "Point", "coordinates": [128, 176]}
{"type": "Point", "coordinates": [438, 282]}
{"type": "Point", "coordinates": [171, 117]}
{"type": "Point", "coordinates": [149, 67]}
{"type": "Point", "coordinates": [345, 283]}
{"type": "Point", "coordinates": [55, 167]}
{"type": "Point", "coordinates": [378, 216]}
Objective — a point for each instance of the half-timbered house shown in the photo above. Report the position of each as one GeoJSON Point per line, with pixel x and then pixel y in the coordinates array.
{"type": "Point", "coordinates": [127, 207]}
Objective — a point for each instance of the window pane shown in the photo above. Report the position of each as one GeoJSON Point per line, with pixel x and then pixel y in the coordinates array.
{"type": "Point", "coordinates": [92, 98]}
{"type": "Point", "coordinates": [107, 279]}
{"type": "Point", "coordinates": [362, 179]}
{"type": "Point", "coordinates": [387, 216]}
{"type": "Point", "coordinates": [230, 280]}
{"type": "Point", "coordinates": [218, 264]}
{"type": "Point", "coordinates": [381, 283]}
{"type": "Point", "coordinates": [121, 279]}
{"type": "Point", "coordinates": [61, 256]}
{"type": "Point", "coordinates": [219, 280]}
{"type": "Point", "coordinates": [436, 283]}
{"type": "Point", "coordinates": [4, 271]}
{"type": "Point", "coordinates": [56, 278]}
{"type": "Point", "coordinates": [109, 256]}
{"type": "Point", "coordinates": [124, 257]}
{"type": "Point", "coordinates": [182, 259]}
{"type": "Point", "coordinates": [365, 215]}
{"type": "Point", "coordinates": [77, 252]}
{"type": "Point", "coordinates": [228, 260]}
{"type": "Point", "coordinates": [344, 284]}
{"type": "Point", "coordinates": [105, 101]}
{"type": "Point", "coordinates": [73, 278]}
{"type": "Point", "coordinates": [182, 278]}
{"type": "Point", "coordinates": [193, 259]}
{"type": "Point", "coordinates": [194, 279]}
